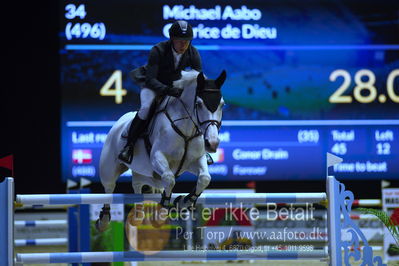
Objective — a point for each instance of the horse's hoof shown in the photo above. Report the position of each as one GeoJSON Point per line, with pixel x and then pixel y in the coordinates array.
{"type": "Point", "coordinates": [190, 201]}
{"type": "Point", "coordinates": [184, 204]}
{"type": "Point", "coordinates": [100, 226]}
{"type": "Point", "coordinates": [178, 201]}
{"type": "Point", "coordinates": [165, 201]}
{"type": "Point", "coordinates": [165, 204]}
{"type": "Point", "coordinates": [191, 208]}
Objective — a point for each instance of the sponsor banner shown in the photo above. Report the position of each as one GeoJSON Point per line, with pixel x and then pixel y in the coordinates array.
{"type": "Point", "coordinates": [390, 204]}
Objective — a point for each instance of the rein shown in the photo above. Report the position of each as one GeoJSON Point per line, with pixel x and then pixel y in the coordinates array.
{"type": "Point", "coordinates": [186, 139]}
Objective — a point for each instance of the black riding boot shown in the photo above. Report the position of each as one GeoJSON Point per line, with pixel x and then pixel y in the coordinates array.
{"type": "Point", "coordinates": [135, 130]}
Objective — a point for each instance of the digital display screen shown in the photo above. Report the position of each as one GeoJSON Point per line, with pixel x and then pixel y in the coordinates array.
{"type": "Point", "coordinates": [303, 79]}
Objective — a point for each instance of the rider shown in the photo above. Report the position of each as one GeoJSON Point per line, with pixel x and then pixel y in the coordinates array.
{"type": "Point", "coordinates": [166, 61]}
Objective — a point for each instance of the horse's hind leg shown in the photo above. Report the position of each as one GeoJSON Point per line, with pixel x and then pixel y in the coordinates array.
{"type": "Point", "coordinates": [137, 214]}
{"type": "Point", "coordinates": [141, 211]}
{"type": "Point", "coordinates": [109, 173]}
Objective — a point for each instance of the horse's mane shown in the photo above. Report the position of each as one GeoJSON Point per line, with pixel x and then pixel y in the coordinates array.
{"type": "Point", "coordinates": [187, 78]}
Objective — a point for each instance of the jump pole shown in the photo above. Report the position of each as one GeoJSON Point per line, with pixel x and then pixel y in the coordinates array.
{"type": "Point", "coordinates": [187, 255]}
{"type": "Point", "coordinates": [40, 242]}
{"type": "Point", "coordinates": [7, 221]}
{"type": "Point", "coordinates": [333, 226]}
{"type": "Point", "coordinates": [40, 223]}
{"type": "Point", "coordinates": [206, 198]}
{"type": "Point", "coordinates": [340, 202]}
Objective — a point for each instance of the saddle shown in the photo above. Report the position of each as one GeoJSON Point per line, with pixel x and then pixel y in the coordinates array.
{"type": "Point", "coordinates": [146, 131]}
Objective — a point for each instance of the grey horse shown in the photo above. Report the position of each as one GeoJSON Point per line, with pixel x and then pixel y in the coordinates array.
{"type": "Point", "coordinates": [182, 130]}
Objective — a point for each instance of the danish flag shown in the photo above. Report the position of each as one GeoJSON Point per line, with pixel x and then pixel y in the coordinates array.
{"type": "Point", "coordinates": [82, 156]}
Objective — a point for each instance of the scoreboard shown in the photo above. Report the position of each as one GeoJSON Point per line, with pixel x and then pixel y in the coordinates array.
{"type": "Point", "coordinates": [303, 79]}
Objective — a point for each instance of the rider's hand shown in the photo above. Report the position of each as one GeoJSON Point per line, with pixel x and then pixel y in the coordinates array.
{"type": "Point", "coordinates": [173, 91]}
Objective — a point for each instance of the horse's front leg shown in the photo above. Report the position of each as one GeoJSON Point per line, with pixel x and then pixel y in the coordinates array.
{"type": "Point", "coordinates": [204, 178]}
{"type": "Point", "coordinates": [161, 165]}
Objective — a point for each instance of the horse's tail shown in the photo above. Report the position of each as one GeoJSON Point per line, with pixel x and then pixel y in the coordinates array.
{"type": "Point", "coordinates": [119, 129]}
{"type": "Point", "coordinates": [113, 144]}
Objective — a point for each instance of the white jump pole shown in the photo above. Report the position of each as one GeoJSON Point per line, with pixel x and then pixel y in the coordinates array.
{"type": "Point", "coordinates": [41, 242]}
{"type": "Point", "coordinates": [40, 223]}
{"type": "Point", "coordinates": [205, 198]}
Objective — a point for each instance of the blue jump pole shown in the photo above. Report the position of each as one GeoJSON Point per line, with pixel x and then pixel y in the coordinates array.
{"type": "Point", "coordinates": [7, 222]}
{"type": "Point", "coordinates": [73, 225]}
{"type": "Point", "coordinates": [169, 255]}
{"type": "Point", "coordinates": [84, 226]}
{"type": "Point", "coordinates": [206, 198]}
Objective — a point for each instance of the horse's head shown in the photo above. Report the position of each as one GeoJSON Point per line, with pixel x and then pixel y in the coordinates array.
{"type": "Point", "coordinates": [209, 104]}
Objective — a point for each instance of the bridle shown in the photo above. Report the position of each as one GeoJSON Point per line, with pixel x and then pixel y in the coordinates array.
{"type": "Point", "coordinates": [211, 122]}
{"type": "Point", "coordinates": [199, 123]}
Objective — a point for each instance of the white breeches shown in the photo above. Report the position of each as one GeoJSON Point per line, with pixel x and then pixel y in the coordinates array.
{"type": "Point", "coordinates": [147, 96]}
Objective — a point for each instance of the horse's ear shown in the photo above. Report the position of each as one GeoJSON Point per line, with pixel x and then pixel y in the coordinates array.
{"type": "Point", "coordinates": [221, 79]}
{"type": "Point", "coordinates": [200, 80]}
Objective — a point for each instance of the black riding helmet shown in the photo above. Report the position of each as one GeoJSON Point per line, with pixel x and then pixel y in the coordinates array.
{"type": "Point", "coordinates": [181, 30]}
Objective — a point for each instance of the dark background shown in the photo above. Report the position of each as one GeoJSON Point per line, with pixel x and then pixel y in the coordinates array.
{"type": "Point", "coordinates": [30, 108]}
{"type": "Point", "coordinates": [30, 97]}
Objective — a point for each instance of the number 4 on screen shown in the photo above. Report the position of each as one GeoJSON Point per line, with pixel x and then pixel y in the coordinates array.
{"type": "Point", "coordinates": [118, 91]}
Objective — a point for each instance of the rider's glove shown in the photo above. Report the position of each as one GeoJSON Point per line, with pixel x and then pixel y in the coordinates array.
{"type": "Point", "coordinates": [173, 91]}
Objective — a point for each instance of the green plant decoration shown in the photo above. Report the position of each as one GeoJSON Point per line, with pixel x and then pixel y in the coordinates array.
{"type": "Point", "coordinates": [391, 224]}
